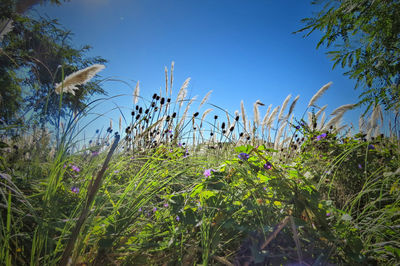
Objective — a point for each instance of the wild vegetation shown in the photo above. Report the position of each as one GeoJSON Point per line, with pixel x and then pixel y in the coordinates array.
{"type": "Point", "coordinates": [181, 181]}
{"type": "Point", "coordinates": [173, 187]}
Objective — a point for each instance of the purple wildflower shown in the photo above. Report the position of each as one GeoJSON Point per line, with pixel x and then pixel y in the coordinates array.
{"type": "Point", "coordinates": [243, 156]}
{"type": "Point", "coordinates": [359, 166]}
{"type": "Point", "coordinates": [64, 166]}
{"type": "Point", "coordinates": [166, 205]}
{"type": "Point", "coordinates": [154, 209]}
{"type": "Point", "coordinates": [116, 172]}
{"type": "Point", "coordinates": [75, 190]}
{"type": "Point", "coordinates": [267, 166]}
{"type": "Point", "coordinates": [75, 168]}
{"type": "Point", "coordinates": [95, 153]}
{"type": "Point", "coordinates": [177, 218]}
{"type": "Point", "coordinates": [322, 136]}
{"type": "Point", "coordinates": [371, 147]}
{"type": "Point", "coordinates": [140, 209]}
{"type": "Point", "coordinates": [207, 172]}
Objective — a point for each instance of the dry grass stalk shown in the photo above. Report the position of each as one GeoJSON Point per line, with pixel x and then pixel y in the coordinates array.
{"type": "Point", "coordinates": [284, 104]}
{"type": "Point", "coordinates": [376, 114]}
{"type": "Point", "coordinates": [271, 118]}
{"type": "Point", "coordinates": [78, 78]}
{"type": "Point", "coordinates": [279, 135]}
{"type": "Point", "coordinates": [205, 99]}
{"type": "Point", "coordinates": [166, 80]}
{"type": "Point", "coordinates": [266, 116]}
{"type": "Point", "coordinates": [172, 77]}
{"type": "Point", "coordinates": [227, 118]}
{"type": "Point", "coordinates": [136, 93]}
{"type": "Point", "coordinates": [206, 112]}
{"type": "Point", "coordinates": [310, 118]}
{"type": "Point", "coordinates": [322, 122]}
{"type": "Point", "coordinates": [182, 92]}
{"type": "Point", "coordinates": [120, 123]}
{"type": "Point", "coordinates": [256, 114]}
{"type": "Point", "coordinates": [361, 124]}
{"type": "Point", "coordinates": [342, 109]}
{"type": "Point", "coordinates": [291, 108]}
{"type": "Point", "coordinates": [317, 114]}
{"type": "Point", "coordinates": [334, 120]}
{"type": "Point", "coordinates": [243, 114]}
{"type": "Point", "coordinates": [319, 94]}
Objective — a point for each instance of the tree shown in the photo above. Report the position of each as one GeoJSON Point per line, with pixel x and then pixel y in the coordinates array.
{"type": "Point", "coordinates": [34, 56]}
{"type": "Point", "coordinates": [366, 38]}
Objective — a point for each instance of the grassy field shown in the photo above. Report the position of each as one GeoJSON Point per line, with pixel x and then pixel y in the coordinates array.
{"type": "Point", "coordinates": [174, 187]}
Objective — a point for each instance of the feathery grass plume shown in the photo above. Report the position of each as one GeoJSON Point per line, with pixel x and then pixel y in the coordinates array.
{"type": "Point", "coordinates": [322, 122]}
{"type": "Point", "coordinates": [166, 80]}
{"type": "Point", "coordinates": [376, 114]}
{"type": "Point", "coordinates": [310, 118]}
{"type": "Point", "coordinates": [110, 123]}
{"type": "Point", "coordinates": [319, 94]}
{"type": "Point", "coordinates": [265, 119]}
{"type": "Point", "coordinates": [333, 121]}
{"type": "Point", "coordinates": [361, 124]}
{"type": "Point", "coordinates": [342, 109]}
{"type": "Point", "coordinates": [120, 123]}
{"type": "Point", "coordinates": [227, 118]}
{"type": "Point", "coordinates": [256, 114]}
{"type": "Point", "coordinates": [182, 92]}
{"type": "Point", "coordinates": [317, 114]}
{"type": "Point", "coordinates": [79, 77]}
{"type": "Point", "coordinates": [172, 78]}
{"type": "Point", "coordinates": [279, 135]}
{"type": "Point", "coordinates": [185, 113]}
{"type": "Point", "coordinates": [340, 128]}
{"type": "Point", "coordinates": [271, 118]}
{"type": "Point", "coordinates": [136, 93]}
{"type": "Point", "coordinates": [291, 108]}
{"type": "Point", "coordinates": [243, 114]}
{"type": "Point", "coordinates": [205, 99]}
{"type": "Point", "coordinates": [206, 112]}
{"type": "Point", "coordinates": [284, 104]}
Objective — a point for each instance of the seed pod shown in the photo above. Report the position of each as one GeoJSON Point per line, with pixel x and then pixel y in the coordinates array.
{"type": "Point", "coordinates": [140, 110]}
{"type": "Point", "coordinates": [196, 114]}
{"type": "Point", "coordinates": [168, 100]}
{"type": "Point", "coordinates": [154, 95]}
{"type": "Point", "coordinates": [174, 115]}
{"type": "Point", "coordinates": [158, 98]}
{"type": "Point", "coordinates": [133, 113]}
{"type": "Point", "coordinates": [223, 125]}
{"type": "Point", "coordinates": [162, 100]}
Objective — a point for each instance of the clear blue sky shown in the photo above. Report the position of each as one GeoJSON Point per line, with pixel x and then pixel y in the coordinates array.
{"type": "Point", "coordinates": [242, 50]}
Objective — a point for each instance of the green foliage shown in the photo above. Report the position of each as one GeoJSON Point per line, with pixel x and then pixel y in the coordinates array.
{"type": "Point", "coordinates": [365, 34]}
{"type": "Point", "coordinates": [35, 55]}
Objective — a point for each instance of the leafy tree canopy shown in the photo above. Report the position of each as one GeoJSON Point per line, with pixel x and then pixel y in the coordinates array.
{"type": "Point", "coordinates": [35, 55]}
{"type": "Point", "coordinates": [365, 35]}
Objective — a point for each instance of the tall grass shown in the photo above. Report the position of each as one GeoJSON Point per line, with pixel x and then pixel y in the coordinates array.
{"type": "Point", "coordinates": [203, 187]}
